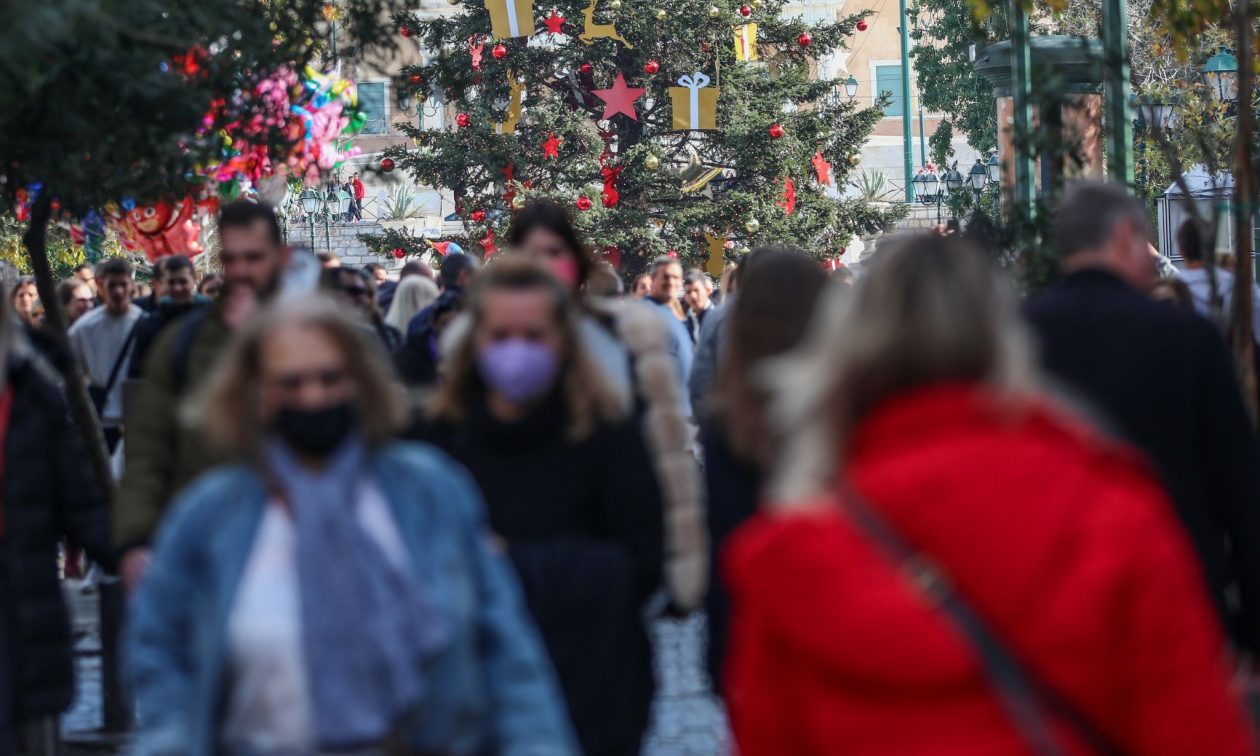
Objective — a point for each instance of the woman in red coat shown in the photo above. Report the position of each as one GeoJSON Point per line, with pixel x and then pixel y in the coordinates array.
{"type": "Point", "coordinates": [1058, 538]}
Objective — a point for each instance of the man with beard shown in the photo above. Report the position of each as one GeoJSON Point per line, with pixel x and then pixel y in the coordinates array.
{"type": "Point", "coordinates": [163, 454]}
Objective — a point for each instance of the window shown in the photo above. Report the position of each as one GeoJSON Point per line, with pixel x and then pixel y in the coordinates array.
{"type": "Point", "coordinates": [888, 80]}
{"type": "Point", "coordinates": [372, 103]}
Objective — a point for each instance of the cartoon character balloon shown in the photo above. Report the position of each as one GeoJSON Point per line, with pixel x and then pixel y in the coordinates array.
{"type": "Point", "coordinates": [165, 228]}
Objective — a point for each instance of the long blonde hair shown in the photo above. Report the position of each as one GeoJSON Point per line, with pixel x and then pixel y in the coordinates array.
{"type": "Point", "coordinates": [588, 398]}
{"type": "Point", "coordinates": [228, 405]}
{"type": "Point", "coordinates": [930, 310]}
{"type": "Point", "coordinates": [414, 293]}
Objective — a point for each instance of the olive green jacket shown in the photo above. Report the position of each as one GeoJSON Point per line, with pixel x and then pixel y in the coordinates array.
{"type": "Point", "coordinates": [163, 452]}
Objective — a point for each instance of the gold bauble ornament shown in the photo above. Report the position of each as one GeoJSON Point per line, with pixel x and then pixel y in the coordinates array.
{"type": "Point", "coordinates": [661, 14]}
{"type": "Point", "coordinates": [855, 159]}
{"type": "Point", "coordinates": [752, 226]}
{"type": "Point", "coordinates": [756, 4]}
{"type": "Point", "coordinates": [715, 12]}
{"type": "Point", "coordinates": [615, 5]}
{"type": "Point", "coordinates": [518, 202]}
{"type": "Point", "coordinates": [651, 162]}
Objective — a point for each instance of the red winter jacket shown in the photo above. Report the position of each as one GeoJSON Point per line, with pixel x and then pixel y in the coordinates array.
{"type": "Point", "coordinates": [1060, 539]}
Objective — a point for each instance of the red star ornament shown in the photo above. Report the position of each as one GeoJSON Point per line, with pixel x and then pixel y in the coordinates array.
{"type": "Point", "coordinates": [789, 197]}
{"type": "Point", "coordinates": [554, 22]}
{"type": "Point", "coordinates": [619, 98]}
{"type": "Point", "coordinates": [551, 147]}
{"type": "Point", "coordinates": [822, 168]}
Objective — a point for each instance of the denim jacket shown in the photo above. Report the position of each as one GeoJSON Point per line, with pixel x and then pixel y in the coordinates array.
{"type": "Point", "coordinates": [491, 690]}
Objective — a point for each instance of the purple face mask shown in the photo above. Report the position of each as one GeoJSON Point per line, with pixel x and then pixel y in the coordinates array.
{"type": "Point", "coordinates": [518, 369]}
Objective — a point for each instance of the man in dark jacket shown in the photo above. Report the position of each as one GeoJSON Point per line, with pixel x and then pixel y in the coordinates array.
{"type": "Point", "coordinates": [179, 284]}
{"type": "Point", "coordinates": [1165, 380]}
{"type": "Point", "coordinates": [49, 494]}
{"type": "Point", "coordinates": [162, 453]}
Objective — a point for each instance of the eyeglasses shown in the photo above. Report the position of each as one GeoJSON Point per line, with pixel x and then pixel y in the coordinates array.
{"type": "Point", "coordinates": [328, 379]}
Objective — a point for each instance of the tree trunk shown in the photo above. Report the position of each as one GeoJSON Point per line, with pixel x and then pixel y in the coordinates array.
{"type": "Point", "coordinates": [81, 409]}
{"type": "Point", "coordinates": [1241, 336]}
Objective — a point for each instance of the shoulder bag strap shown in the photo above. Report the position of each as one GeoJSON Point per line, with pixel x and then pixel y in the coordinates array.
{"type": "Point", "coordinates": [122, 355]}
{"type": "Point", "coordinates": [1029, 703]}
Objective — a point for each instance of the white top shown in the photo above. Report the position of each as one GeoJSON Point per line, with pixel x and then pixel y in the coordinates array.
{"type": "Point", "coordinates": [1201, 290]}
{"type": "Point", "coordinates": [97, 338]}
{"type": "Point", "coordinates": [268, 707]}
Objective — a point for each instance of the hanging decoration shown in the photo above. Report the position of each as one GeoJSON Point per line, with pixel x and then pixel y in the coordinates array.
{"type": "Point", "coordinates": [516, 89]}
{"type": "Point", "coordinates": [511, 18]}
{"type": "Point", "coordinates": [776, 131]}
{"type": "Point", "coordinates": [822, 169]}
{"type": "Point", "coordinates": [696, 176]}
{"type": "Point", "coordinates": [475, 48]}
{"type": "Point", "coordinates": [477, 216]}
{"type": "Point", "coordinates": [463, 120]}
{"type": "Point", "coordinates": [805, 39]}
{"type": "Point", "coordinates": [400, 253]}
{"type": "Point", "coordinates": [694, 103]}
{"type": "Point", "coordinates": [619, 98]}
{"type": "Point", "coordinates": [746, 42]}
{"type": "Point", "coordinates": [554, 22]}
{"type": "Point", "coordinates": [445, 248]}
{"type": "Point", "coordinates": [387, 164]}
{"type": "Point", "coordinates": [593, 31]}
{"type": "Point", "coordinates": [752, 225]}
{"type": "Point", "coordinates": [488, 247]}
{"type": "Point", "coordinates": [612, 256]}
{"type": "Point", "coordinates": [651, 162]}
{"type": "Point", "coordinates": [499, 51]}
{"type": "Point", "coordinates": [789, 197]}
{"type": "Point", "coordinates": [717, 249]}
{"type": "Point", "coordinates": [610, 195]}
{"type": "Point", "coordinates": [745, 11]}
{"type": "Point", "coordinates": [583, 203]}
{"type": "Point", "coordinates": [863, 26]}
{"type": "Point", "coordinates": [651, 67]}
{"type": "Point", "coordinates": [161, 229]}
{"type": "Point", "coordinates": [551, 147]}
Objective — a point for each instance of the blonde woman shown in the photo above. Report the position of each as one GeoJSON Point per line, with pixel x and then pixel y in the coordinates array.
{"type": "Point", "coordinates": [413, 294]}
{"type": "Point", "coordinates": [570, 490]}
{"type": "Point", "coordinates": [954, 565]}
{"type": "Point", "coordinates": [335, 590]}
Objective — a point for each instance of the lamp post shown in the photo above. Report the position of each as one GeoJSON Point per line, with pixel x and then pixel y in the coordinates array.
{"type": "Point", "coordinates": [1221, 74]}
{"type": "Point", "coordinates": [851, 86]}
{"type": "Point", "coordinates": [993, 168]}
{"type": "Point", "coordinates": [978, 176]}
{"type": "Point", "coordinates": [310, 205]}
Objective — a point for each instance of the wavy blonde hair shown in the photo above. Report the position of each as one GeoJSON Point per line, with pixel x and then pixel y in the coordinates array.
{"type": "Point", "coordinates": [930, 310]}
{"type": "Point", "coordinates": [228, 406]}
{"type": "Point", "coordinates": [588, 398]}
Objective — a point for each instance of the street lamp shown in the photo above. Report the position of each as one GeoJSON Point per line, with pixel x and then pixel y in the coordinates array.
{"type": "Point", "coordinates": [1154, 114]}
{"type": "Point", "coordinates": [404, 100]}
{"type": "Point", "coordinates": [920, 189]}
{"type": "Point", "coordinates": [850, 87]}
{"type": "Point", "coordinates": [978, 176]}
{"type": "Point", "coordinates": [1221, 74]}
{"type": "Point", "coordinates": [994, 167]}
{"type": "Point", "coordinates": [310, 205]}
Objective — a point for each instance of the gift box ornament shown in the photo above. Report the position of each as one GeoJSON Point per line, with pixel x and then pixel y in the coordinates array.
{"type": "Point", "coordinates": [511, 18]}
{"type": "Point", "coordinates": [694, 103]}
{"type": "Point", "coordinates": [746, 42]}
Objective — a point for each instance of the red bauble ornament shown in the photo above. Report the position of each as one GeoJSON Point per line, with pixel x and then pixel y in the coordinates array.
{"type": "Point", "coordinates": [387, 165]}
{"type": "Point", "coordinates": [462, 120]}
{"type": "Point", "coordinates": [415, 79]}
{"type": "Point", "coordinates": [405, 31]}
{"type": "Point", "coordinates": [55, 205]}
{"type": "Point", "coordinates": [498, 52]}
{"type": "Point", "coordinates": [776, 131]}
{"type": "Point", "coordinates": [651, 67]}
{"type": "Point", "coordinates": [863, 26]}
{"type": "Point", "coordinates": [400, 253]}
{"type": "Point", "coordinates": [584, 203]}
{"type": "Point", "coordinates": [745, 11]}
{"type": "Point", "coordinates": [586, 68]}
{"type": "Point", "coordinates": [805, 40]}
{"type": "Point", "coordinates": [478, 216]}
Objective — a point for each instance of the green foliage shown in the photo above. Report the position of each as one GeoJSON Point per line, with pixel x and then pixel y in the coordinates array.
{"type": "Point", "coordinates": [401, 201]}
{"type": "Point", "coordinates": [873, 186]}
{"type": "Point", "coordinates": [653, 215]}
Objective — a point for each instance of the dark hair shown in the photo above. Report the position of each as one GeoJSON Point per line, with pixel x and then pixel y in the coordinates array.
{"type": "Point", "coordinates": [553, 217]}
{"type": "Point", "coordinates": [416, 268]}
{"type": "Point", "coordinates": [18, 284]}
{"type": "Point", "coordinates": [1190, 241]}
{"type": "Point", "coordinates": [1179, 291]}
{"type": "Point", "coordinates": [661, 262]}
{"type": "Point", "coordinates": [114, 266]}
{"type": "Point", "coordinates": [82, 266]}
{"type": "Point", "coordinates": [243, 213]}
{"type": "Point", "coordinates": [173, 263]}
{"type": "Point", "coordinates": [210, 278]}
{"type": "Point", "coordinates": [66, 289]}
{"type": "Point", "coordinates": [698, 277]}
{"type": "Point", "coordinates": [604, 281]}
{"type": "Point", "coordinates": [1088, 214]}
{"type": "Point", "coordinates": [453, 266]}
{"type": "Point", "coordinates": [373, 267]}
{"type": "Point", "coordinates": [764, 323]}
{"type": "Point", "coordinates": [324, 257]}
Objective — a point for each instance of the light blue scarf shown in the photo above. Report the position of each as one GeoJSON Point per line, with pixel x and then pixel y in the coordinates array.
{"type": "Point", "coordinates": [366, 625]}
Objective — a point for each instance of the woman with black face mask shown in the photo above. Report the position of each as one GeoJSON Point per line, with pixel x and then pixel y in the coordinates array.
{"type": "Point", "coordinates": [570, 491]}
{"type": "Point", "coordinates": [335, 591]}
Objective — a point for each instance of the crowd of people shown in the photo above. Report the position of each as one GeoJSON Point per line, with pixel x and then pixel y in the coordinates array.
{"type": "Point", "coordinates": [435, 514]}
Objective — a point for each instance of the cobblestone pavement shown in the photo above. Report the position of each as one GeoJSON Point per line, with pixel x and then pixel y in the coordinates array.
{"type": "Point", "coordinates": [687, 719]}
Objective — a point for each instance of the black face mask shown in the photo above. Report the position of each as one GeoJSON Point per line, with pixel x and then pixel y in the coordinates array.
{"type": "Point", "coordinates": [317, 432]}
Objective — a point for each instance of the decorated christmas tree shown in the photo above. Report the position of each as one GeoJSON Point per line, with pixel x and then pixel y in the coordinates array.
{"type": "Point", "coordinates": [699, 129]}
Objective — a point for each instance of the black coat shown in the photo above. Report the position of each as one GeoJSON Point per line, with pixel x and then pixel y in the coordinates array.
{"type": "Point", "coordinates": [49, 494]}
{"type": "Point", "coordinates": [152, 324]}
{"type": "Point", "coordinates": [734, 487]}
{"type": "Point", "coordinates": [1164, 379]}
{"type": "Point", "coordinates": [583, 524]}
